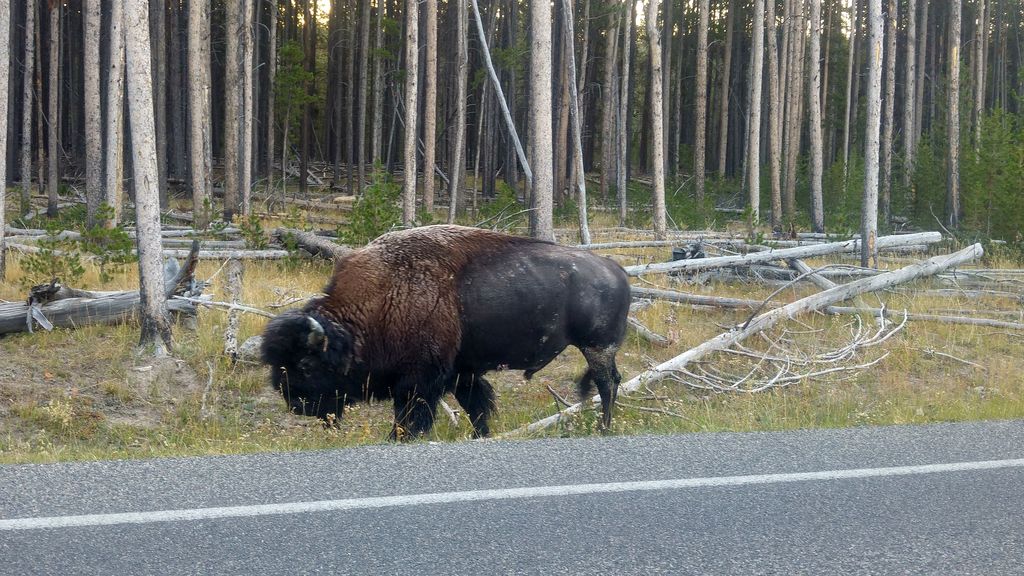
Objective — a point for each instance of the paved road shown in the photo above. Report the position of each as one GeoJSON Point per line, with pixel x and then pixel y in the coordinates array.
{"type": "Point", "coordinates": [858, 501]}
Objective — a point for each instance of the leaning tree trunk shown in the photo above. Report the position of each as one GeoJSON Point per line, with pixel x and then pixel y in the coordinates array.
{"type": "Point", "coordinates": [541, 137]}
{"type": "Point", "coordinates": [412, 58]}
{"type": "Point", "coordinates": [953, 118]}
{"type": "Point", "coordinates": [575, 116]}
{"type": "Point", "coordinates": [114, 176]}
{"type": "Point", "coordinates": [814, 118]}
{"type": "Point", "coordinates": [156, 331]}
{"type": "Point", "coordinates": [701, 100]}
{"type": "Point", "coordinates": [869, 209]}
{"type": "Point", "coordinates": [754, 128]}
{"type": "Point", "coordinates": [657, 124]}
{"type": "Point", "coordinates": [93, 118]}
{"type": "Point", "coordinates": [26, 107]}
{"type": "Point", "coordinates": [201, 152]}
{"type": "Point", "coordinates": [461, 80]}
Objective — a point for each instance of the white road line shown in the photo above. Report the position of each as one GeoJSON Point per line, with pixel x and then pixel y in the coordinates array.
{"type": "Point", "coordinates": [495, 494]}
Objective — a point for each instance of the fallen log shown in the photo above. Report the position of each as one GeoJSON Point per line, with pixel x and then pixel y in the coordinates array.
{"type": "Point", "coordinates": [988, 322]}
{"type": "Point", "coordinates": [783, 254]}
{"type": "Point", "coordinates": [310, 242]}
{"type": "Point", "coordinates": [697, 299]}
{"type": "Point", "coordinates": [65, 307]}
{"type": "Point", "coordinates": [272, 254]}
{"type": "Point", "coordinates": [646, 333]}
{"type": "Point", "coordinates": [754, 325]}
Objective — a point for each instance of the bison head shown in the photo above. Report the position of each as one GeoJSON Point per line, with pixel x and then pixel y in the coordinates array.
{"type": "Point", "coordinates": [309, 358]}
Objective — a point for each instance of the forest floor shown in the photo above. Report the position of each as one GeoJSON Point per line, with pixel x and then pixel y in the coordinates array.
{"type": "Point", "coordinates": [87, 394]}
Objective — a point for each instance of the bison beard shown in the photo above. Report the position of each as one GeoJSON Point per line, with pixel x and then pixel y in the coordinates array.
{"type": "Point", "coordinates": [422, 312]}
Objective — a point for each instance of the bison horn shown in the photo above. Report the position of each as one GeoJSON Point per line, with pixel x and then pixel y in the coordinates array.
{"type": "Point", "coordinates": [316, 339]}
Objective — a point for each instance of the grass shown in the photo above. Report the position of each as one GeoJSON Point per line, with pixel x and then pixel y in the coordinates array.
{"type": "Point", "coordinates": [86, 394]}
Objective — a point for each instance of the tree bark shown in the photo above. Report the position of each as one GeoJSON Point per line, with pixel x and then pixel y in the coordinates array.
{"type": "Point", "coordinates": [53, 116]}
{"type": "Point", "coordinates": [624, 100]}
{"type": "Point", "coordinates": [909, 94]}
{"type": "Point", "coordinates": [754, 127]}
{"type": "Point", "coordinates": [700, 121]}
{"type": "Point", "coordinates": [850, 59]}
{"type": "Point", "coordinates": [869, 208]}
{"type": "Point", "coordinates": [248, 110]}
{"type": "Point", "coordinates": [156, 331]}
{"type": "Point", "coordinates": [657, 122]}
{"type": "Point", "coordinates": [609, 106]}
{"type": "Point", "coordinates": [458, 168]}
{"type": "Point", "coordinates": [412, 56]}
{"type": "Point", "coordinates": [232, 108]}
{"type": "Point", "coordinates": [158, 22]}
{"type": "Point", "coordinates": [723, 110]}
{"type": "Point", "coordinates": [5, 40]}
{"type": "Point", "coordinates": [378, 86]}
{"type": "Point", "coordinates": [27, 107]}
{"type": "Point", "coordinates": [364, 70]}
{"type": "Point", "coordinates": [541, 137]}
{"type": "Point", "coordinates": [888, 115]}
{"type": "Point", "coordinates": [430, 107]}
{"type": "Point", "coordinates": [199, 105]}
{"type": "Point", "coordinates": [93, 119]}
{"type": "Point", "coordinates": [114, 176]}
{"type": "Point", "coordinates": [981, 52]}
{"type": "Point", "coordinates": [953, 118]}
{"type": "Point", "coordinates": [814, 118]}
{"type": "Point", "coordinates": [919, 83]}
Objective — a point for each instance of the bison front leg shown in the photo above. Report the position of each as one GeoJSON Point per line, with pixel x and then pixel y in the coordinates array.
{"type": "Point", "coordinates": [416, 401]}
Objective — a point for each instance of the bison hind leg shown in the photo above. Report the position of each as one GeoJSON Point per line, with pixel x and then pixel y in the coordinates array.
{"type": "Point", "coordinates": [476, 396]}
{"type": "Point", "coordinates": [602, 371]}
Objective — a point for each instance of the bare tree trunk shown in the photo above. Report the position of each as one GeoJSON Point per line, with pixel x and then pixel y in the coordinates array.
{"type": "Point", "coordinates": [657, 147]}
{"type": "Point", "coordinates": [26, 107]}
{"type": "Point", "coordinates": [849, 88]}
{"type": "Point", "coordinates": [53, 116]}
{"type": "Point", "coordinates": [158, 21]}
{"type": "Point", "coordinates": [177, 95]}
{"type": "Point", "coordinates": [723, 122]}
{"type": "Point", "coordinates": [364, 70]}
{"type": "Point", "coordinates": [623, 122]}
{"type": "Point", "coordinates": [869, 209]}
{"type": "Point", "coordinates": [93, 118]}
{"type": "Point", "coordinates": [774, 119]}
{"type": "Point", "coordinates": [814, 117]}
{"type": "Point", "coordinates": [5, 41]}
{"type": "Point", "coordinates": [609, 107]}
{"type": "Point", "coordinates": [350, 100]}
{"type": "Point", "coordinates": [458, 168]}
{"type": "Point", "coordinates": [248, 110]}
{"type": "Point", "coordinates": [700, 121]}
{"type": "Point", "coordinates": [232, 111]}
{"type": "Point", "coordinates": [199, 103]}
{"type": "Point", "coordinates": [888, 114]}
{"type": "Point", "coordinates": [114, 176]}
{"type": "Point", "coordinates": [561, 145]}
{"type": "Point", "coordinates": [576, 121]}
{"type": "Point", "coordinates": [271, 79]}
{"type": "Point", "coordinates": [156, 330]}
{"type": "Point", "coordinates": [795, 105]}
{"type": "Point", "coordinates": [378, 86]}
{"type": "Point", "coordinates": [910, 94]}
{"type": "Point", "coordinates": [981, 44]}
{"type": "Point", "coordinates": [309, 48]}
{"type": "Point", "coordinates": [922, 53]}
{"type": "Point", "coordinates": [541, 137]}
{"type": "Point", "coordinates": [430, 108]}
{"type": "Point", "coordinates": [953, 111]}
{"type": "Point", "coordinates": [412, 55]}
{"type": "Point", "coordinates": [754, 128]}
{"type": "Point", "coordinates": [667, 28]}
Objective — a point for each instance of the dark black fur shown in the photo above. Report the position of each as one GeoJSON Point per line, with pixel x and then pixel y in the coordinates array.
{"type": "Point", "coordinates": [428, 311]}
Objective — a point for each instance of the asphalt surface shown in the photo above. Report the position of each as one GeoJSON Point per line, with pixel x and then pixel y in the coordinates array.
{"type": "Point", "coordinates": [937, 522]}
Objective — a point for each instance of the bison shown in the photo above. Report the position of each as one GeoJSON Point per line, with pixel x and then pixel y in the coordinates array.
{"type": "Point", "coordinates": [421, 312]}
